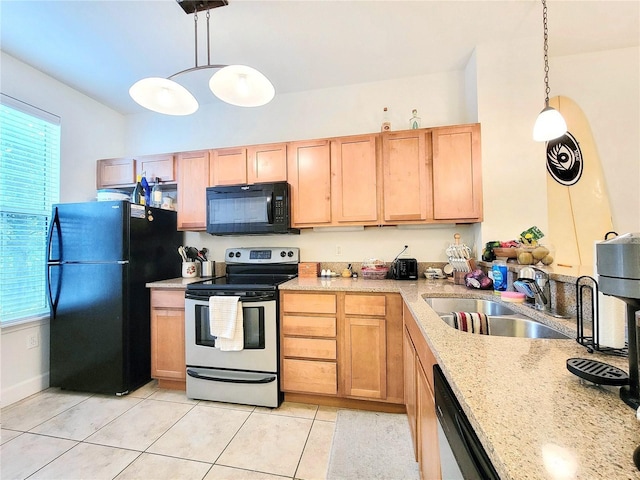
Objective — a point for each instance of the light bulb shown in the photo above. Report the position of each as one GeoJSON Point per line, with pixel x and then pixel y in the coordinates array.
{"type": "Point", "coordinates": [242, 86]}
{"type": "Point", "coordinates": [163, 96]}
{"type": "Point", "coordinates": [549, 125]}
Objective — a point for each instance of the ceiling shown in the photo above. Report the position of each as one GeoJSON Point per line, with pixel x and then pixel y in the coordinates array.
{"type": "Point", "coordinates": [102, 47]}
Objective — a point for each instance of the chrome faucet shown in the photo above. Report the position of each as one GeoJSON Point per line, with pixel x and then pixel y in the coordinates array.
{"type": "Point", "coordinates": [534, 282]}
{"type": "Point", "coordinates": [543, 299]}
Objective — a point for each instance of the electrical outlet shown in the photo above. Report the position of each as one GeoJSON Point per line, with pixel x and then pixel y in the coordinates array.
{"type": "Point", "coordinates": [33, 340]}
{"type": "Point", "coordinates": [338, 250]}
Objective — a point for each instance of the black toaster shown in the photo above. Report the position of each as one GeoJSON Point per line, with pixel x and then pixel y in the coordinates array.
{"type": "Point", "coordinates": [405, 269]}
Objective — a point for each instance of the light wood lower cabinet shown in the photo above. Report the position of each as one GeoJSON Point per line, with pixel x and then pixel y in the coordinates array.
{"type": "Point", "coordinates": [308, 342]}
{"type": "Point", "coordinates": [168, 364]}
{"type": "Point", "coordinates": [420, 399]}
{"type": "Point", "coordinates": [410, 395]}
{"type": "Point", "coordinates": [343, 345]}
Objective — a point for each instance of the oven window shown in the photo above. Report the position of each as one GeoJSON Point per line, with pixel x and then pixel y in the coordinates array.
{"type": "Point", "coordinates": [253, 326]}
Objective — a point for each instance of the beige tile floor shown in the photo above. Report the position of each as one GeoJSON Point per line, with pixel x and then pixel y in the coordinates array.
{"type": "Point", "coordinates": [160, 434]}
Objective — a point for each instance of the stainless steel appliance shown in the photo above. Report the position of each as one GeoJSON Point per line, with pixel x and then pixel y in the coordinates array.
{"type": "Point", "coordinates": [405, 269]}
{"type": "Point", "coordinates": [258, 209]}
{"type": "Point", "coordinates": [462, 456]}
{"type": "Point", "coordinates": [619, 275]}
{"type": "Point", "coordinates": [100, 257]}
{"type": "Point", "coordinates": [249, 376]}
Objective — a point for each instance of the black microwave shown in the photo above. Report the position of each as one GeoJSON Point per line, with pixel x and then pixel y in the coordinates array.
{"type": "Point", "coordinates": [258, 209]}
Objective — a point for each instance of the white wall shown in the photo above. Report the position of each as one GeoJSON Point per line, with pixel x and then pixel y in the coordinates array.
{"type": "Point", "coordinates": [353, 109]}
{"type": "Point", "coordinates": [510, 97]}
{"type": "Point", "coordinates": [89, 131]}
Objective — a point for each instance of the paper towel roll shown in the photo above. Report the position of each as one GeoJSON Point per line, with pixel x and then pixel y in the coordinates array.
{"type": "Point", "coordinates": [611, 314]}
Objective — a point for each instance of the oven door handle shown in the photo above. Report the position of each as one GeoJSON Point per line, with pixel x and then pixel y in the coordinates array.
{"type": "Point", "coordinates": [260, 298]}
{"type": "Point", "coordinates": [230, 379]}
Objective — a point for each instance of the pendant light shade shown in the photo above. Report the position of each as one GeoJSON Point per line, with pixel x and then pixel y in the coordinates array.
{"type": "Point", "coordinates": [163, 96]}
{"type": "Point", "coordinates": [235, 84]}
{"type": "Point", "coordinates": [242, 86]}
{"type": "Point", "coordinates": [550, 124]}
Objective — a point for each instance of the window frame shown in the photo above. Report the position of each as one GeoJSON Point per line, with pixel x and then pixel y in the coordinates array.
{"type": "Point", "coordinates": [51, 189]}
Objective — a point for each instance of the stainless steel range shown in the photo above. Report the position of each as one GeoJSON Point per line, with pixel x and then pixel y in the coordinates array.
{"type": "Point", "coordinates": [250, 375]}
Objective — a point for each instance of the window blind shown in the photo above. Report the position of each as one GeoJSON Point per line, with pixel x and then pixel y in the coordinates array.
{"type": "Point", "coordinates": [29, 186]}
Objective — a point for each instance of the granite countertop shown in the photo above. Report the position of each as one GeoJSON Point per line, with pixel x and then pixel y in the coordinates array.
{"type": "Point", "coordinates": [175, 283]}
{"type": "Point", "coordinates": [535, 419]}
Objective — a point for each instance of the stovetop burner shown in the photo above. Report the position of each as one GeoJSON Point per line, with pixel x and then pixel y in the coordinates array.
{"type": "Point", "coordinates": [257, 269]}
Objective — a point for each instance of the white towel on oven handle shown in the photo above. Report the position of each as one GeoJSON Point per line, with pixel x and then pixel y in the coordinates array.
{"type": "Point", "coordinates": [226, 322]}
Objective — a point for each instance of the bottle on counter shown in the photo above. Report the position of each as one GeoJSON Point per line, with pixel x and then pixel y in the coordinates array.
{"type": "Point", "coordinates": [499, 270]}
{"type": "Point", "coordinates": [156, 194]}
{"type": "Point", "coordinates": [386, 120]}
{"type": "Point", "coordinates": [137, 196]}
{"type": "Point", "coordinates": [146, 190]}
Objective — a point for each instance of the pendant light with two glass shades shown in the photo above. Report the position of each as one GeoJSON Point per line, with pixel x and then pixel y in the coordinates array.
{"type": "Point", "coordinates": [238, 85]}
{"type": "Point", "coordinates": [550, 124]}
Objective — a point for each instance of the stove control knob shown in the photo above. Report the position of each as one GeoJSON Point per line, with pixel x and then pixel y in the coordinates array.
{"type": "Point", "coordinates": [290, 254]}
{"type": "Point", "coordinates": [231, 254]}
{"type": "Point", "coordinates": [283, 254]}
{"type": "Point", "coordinates": [238, 254]}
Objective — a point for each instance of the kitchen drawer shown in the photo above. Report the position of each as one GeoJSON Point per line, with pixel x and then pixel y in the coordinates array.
{"type": "Point", "coordinates": [167, 298]}
{"type": "Point", "coordinates": [306, 376]}
{"type": "Point", "coordinates": [309, 326]}
{"type": "Point", "coordinates": [365, 305]}
{"type": "Point", "coordinates": [309, 303]}
{"type": "Point", "coordinates": [309, 348]}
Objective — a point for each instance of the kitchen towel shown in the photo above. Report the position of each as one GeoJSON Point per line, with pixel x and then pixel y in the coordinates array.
{"type": "Point", "coordinates": [472, 322]}
{"type": "Point", "coordinates": [226, 322]}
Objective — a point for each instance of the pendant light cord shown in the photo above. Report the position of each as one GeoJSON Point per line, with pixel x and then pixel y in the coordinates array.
{"type": "Point", "coordinates": [546, 53]}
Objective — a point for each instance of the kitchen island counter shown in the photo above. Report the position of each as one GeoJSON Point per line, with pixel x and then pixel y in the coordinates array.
{"type": "Point", "coordinates": [535, 419]}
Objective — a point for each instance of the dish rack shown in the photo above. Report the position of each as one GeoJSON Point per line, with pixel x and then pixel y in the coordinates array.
{"type": "Point", "coordinates": [459, 256]}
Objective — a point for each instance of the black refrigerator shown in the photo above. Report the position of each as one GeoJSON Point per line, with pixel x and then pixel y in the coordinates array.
{"type": "Point", "coordinates": [100, 256]}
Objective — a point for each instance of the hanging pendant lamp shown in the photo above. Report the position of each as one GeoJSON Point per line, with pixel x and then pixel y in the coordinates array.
{"type": "Point", "coordinates": [238, 85]}
{"type": "Point", "coordinates": [550, 124]}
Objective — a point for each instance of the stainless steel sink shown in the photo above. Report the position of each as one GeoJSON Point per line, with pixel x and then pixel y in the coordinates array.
{"type": "Point", "coordinates": [503, 321]}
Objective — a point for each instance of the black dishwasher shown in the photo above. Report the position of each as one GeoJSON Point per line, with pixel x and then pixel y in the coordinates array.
{"type": "Point", "coordinates": [472, 461]}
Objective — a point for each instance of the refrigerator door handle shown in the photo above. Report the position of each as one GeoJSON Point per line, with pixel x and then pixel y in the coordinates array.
{"type": "Point", "coordinates": [55, 223]}
{"type": "Point", "coordinates": [53, 302]}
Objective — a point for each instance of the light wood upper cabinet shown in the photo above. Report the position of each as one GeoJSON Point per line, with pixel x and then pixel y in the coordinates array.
{"type": "Point", "coordinates": [114, 172]}
{"type": "Point", "coordinates": [247, 165]}
{"type": "Point", "coordinates": [228, 166]}
{"type": "Point", "coordinates": [406, 172]}
{"type": "Point", "coordinates": [457, 177]}
{"type": "Point", "coordinates": [309, 174]}
{"type": "Point", "coordinates": [354, 180]}
{"type": "Point", "coordinates": [193, 180]}
{"type": "Point", "coordinates": [157, 166]}
{"type": "Point", "coordinates": [267, 163]}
